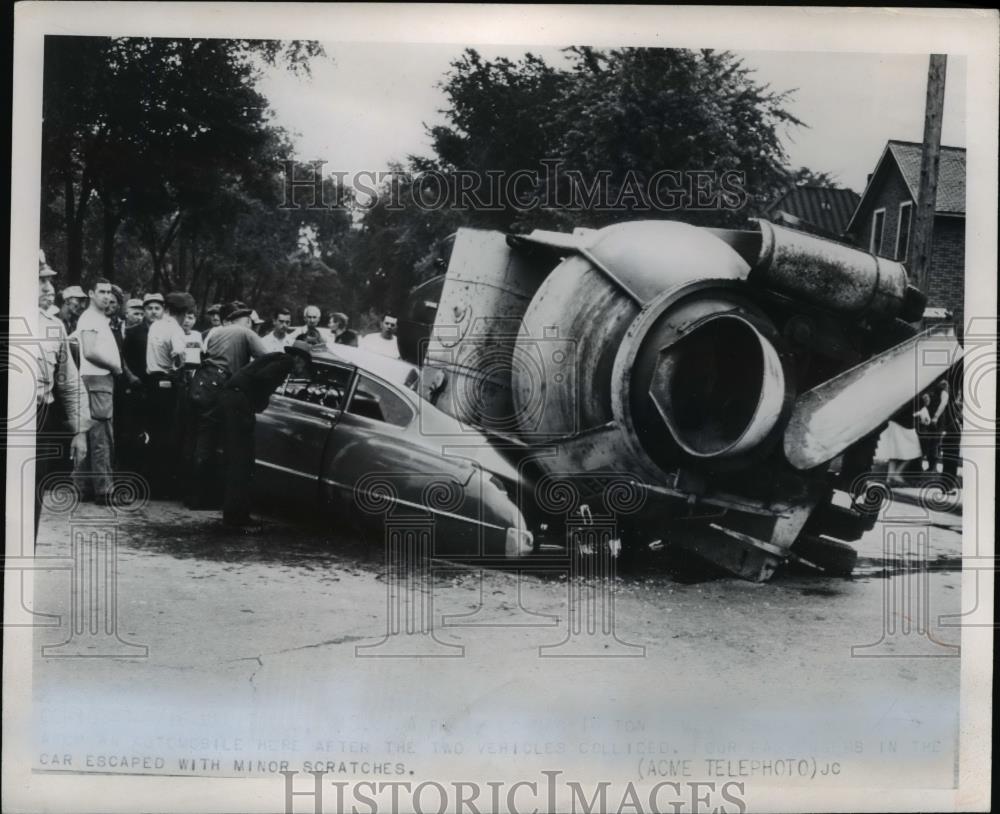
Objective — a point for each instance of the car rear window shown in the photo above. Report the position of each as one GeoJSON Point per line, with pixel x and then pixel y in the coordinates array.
{"type": "Point", "coordinates": [374, 400]}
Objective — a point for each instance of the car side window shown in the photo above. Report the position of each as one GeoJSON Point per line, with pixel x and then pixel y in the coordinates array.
{"type": "Point", "coordinates": [328, 387]}
{"type": "Point", "coordinates": [374, 400]}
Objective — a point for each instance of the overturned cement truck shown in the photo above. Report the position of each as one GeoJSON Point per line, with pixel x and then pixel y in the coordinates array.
{"type": "Point", "coordinates": [717, 390]}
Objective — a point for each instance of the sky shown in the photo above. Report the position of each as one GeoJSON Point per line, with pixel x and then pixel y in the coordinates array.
{"type": "Point", "coordinates": [367, 105]}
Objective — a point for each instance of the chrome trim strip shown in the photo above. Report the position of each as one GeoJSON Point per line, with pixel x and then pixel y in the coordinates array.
{"type": "Point", "coordinates": [412, 505]}
{"type": "Point", "coordinates": [269, 465]}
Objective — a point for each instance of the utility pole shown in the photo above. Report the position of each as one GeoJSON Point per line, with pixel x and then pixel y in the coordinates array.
{"type": "Point", "coordinates": [930, 158]}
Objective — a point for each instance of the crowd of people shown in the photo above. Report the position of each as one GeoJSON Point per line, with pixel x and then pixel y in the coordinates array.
{"type": "Point", "coordinates": [132, 385]}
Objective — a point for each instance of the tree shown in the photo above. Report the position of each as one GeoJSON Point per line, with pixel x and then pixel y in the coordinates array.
{"type": "Point", "coordinates": [804, 176]}
{"type": "Point", "coordinates": [613, 120]}
{"type": "Point", "coordinates": [396, 235]}
{"type": "Point", "coordinates": [633, 112]}
{"type": "Point", "coordinates": [151, 128]}
{"type": "Point", "coordinates": [502, 117]}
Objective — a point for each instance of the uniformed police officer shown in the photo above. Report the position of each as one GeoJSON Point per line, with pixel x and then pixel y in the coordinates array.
{"type": "Point", "coordinates": [246, 393]}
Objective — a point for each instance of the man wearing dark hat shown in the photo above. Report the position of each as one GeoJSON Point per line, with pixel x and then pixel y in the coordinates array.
{"type": "Point", "coordinates": [214, 315]}
{"type": "Point", "coordinates": [246, 393]}
{"type": "Point", "coordinates": [166, 348]}
{"type": "Point", "coordinates": [227, 349]}
{"type": "Point", "coordinates": [63, 410]}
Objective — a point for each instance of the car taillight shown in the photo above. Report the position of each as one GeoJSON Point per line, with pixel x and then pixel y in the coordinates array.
{"type": "Point", "coordinates": [520, 542]}
{"type": "Point", "coordinates": [499, 484]}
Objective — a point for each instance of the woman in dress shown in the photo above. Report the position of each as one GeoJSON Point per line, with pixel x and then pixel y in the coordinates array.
{"type": "Point", "coordinates": [898, 445]}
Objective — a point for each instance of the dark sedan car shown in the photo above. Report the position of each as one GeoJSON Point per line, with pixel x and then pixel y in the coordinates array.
{"type": "Point", "coordinates": [356, 438]}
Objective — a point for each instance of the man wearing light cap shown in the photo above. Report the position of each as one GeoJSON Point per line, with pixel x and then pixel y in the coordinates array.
{"type": "Point", "coordinates": [165, 353]}
{"type": "Point", "coordinates": [74, 301]}
{"type": "Point", "coordinates": [133, 312]}
{"type": "Point", "coordinates": [135, 436]}
{"type": "Point", "coordinates": [63, 413]}
{"type": "Point", "coordinates": [137, 336]}
{"type": "Point", "coordinates": [153, 304]}
{"type": "Point", "coordinates": [165, 345]}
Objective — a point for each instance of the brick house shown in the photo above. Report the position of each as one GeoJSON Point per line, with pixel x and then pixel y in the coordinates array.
{"type": "Point", "coordinates": [823, 211]}
{"type": "Point", "coordinates": [884, 218]}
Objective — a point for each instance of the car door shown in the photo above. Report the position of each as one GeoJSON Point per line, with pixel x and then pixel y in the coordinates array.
{"type": "Point", "coordinates": [376, 450]}
{"type": "Point", "coordinates": [293, 432]}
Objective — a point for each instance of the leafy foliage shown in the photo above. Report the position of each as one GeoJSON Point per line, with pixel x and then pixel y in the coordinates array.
{"type": "Point", "coordinates": [161, 167]}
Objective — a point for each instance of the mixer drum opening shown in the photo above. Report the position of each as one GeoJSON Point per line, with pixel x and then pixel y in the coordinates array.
{"type": "Point", "coordinates": [719, 389]}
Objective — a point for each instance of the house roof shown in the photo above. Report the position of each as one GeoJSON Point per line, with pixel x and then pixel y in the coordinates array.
{"type": "Point", "coordinates": [951, 174]}
{"type": "Point", "coordinates": [824, 209]}
{"type": "Point", "coordinates": [950, 199]}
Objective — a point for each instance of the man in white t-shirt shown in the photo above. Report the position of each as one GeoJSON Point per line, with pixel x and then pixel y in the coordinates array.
{"type": "Point", "coordinates": [384, 341]}
{"type": "Point", "coordinates": [166, 343]}
{"type": "Point", "coordinates": [280, 337]}
{"type": "Point", "coordinates": [100, 362]}
{"type": "Point", "coordinates": [192, 354]}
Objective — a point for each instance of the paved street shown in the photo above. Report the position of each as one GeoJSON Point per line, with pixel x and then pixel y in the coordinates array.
{"type": "Point", "coordinates": [263, 654]}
